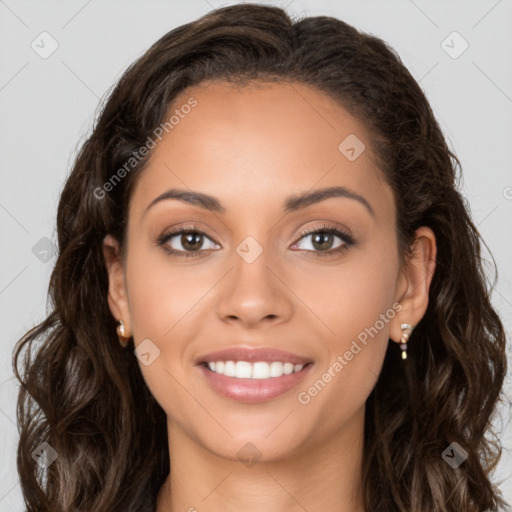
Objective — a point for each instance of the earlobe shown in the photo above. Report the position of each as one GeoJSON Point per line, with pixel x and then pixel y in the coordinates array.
{"type": "Point", "coordinates": [117, 292]}
{"type": "Point", "coordinates": [414, 282]}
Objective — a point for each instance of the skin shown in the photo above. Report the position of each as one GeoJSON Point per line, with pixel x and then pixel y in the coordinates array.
{"type": "Point", "coordinates": [252, 147]}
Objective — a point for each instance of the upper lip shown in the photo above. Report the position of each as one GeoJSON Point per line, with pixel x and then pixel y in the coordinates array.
{"type": "Point", "coordinates": [240, 353]}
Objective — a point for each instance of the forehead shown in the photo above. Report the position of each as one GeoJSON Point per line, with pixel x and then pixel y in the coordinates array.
{"type": "Point", "coordinates": [264, 140]}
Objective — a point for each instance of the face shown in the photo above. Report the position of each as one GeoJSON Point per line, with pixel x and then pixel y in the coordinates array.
{"type": "Point", "coordinates": [256, 267]}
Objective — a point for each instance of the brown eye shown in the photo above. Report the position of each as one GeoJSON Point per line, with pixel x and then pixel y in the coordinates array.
{"type": "Point", "coordinates": [323, 240]}
{"type": "Point", "coordinates": [186, 242]}
{"type": "Point", "coordinates": [191, 241]}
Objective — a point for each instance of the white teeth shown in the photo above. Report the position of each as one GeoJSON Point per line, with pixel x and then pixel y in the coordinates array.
{"type": "Point", "coordinates": [276, 369]}
{"type": "Point", "coordinates": [258, 370]}
{"type": "Point", "coordinates": [229, 369]}
{"type": "Point", "coordinates": [261, 370]}
{"type": "Point", "coordinates": [243, 370]}
{"type": "Point", "coordinates": [288, 368]}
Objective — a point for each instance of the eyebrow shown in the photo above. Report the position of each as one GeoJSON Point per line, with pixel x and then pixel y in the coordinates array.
{"type": "Point", "coordinates": [291, 204]}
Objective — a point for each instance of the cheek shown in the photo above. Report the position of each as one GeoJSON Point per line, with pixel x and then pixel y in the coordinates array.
{"type": "Point", "coordinates": [354, 306]}
{"type": "Point", "coordinates": [164, 309]}
{"type": "Point", "coordinates": [168, 305]}
{"type": "Point", "coordinates": [163, 294]}
{"type": "Point", "coordinates": [349, 299]}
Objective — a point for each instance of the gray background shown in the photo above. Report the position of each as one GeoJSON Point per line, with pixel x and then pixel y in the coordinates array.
{"type": "Point", "coordinates": [47, 106]}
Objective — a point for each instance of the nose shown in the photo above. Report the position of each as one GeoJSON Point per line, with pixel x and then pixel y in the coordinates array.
{"type": "Point", "coordinates": [255, 293]}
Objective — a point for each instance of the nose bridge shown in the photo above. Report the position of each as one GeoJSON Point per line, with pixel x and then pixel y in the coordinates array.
{"type": "Point", "coordinates": [253, 292]}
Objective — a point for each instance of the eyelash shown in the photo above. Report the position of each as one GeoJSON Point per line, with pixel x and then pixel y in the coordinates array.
{"type": "Point", "coordinates": [347, 239]}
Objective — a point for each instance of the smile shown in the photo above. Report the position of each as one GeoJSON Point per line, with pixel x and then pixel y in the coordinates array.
{"type": "Point", "coordinates": [257, 370]}
{"type": "Point", "coordinates": [252, 383]}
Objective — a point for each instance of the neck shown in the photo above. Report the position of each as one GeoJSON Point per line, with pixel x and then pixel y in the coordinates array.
{"type": "Point", "coordinates": [324, 477]}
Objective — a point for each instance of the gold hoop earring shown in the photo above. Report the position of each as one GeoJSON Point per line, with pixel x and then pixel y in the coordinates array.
{"type": "Point", "coordinates": [405, 337]}
{"type": "Point", "coordinates": [121, 334]}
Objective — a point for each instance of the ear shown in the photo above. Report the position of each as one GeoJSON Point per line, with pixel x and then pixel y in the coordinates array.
{"type": "Point", "coordinates": [414, 282]}
{"type": "Point", "coordinates": [117, 291]}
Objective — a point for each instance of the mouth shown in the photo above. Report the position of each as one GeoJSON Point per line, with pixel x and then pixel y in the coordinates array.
{"type": "Point", "coordinates": [257, 370]}
{"type": "Point", "coordinates": [252, 390]}
{"type": "Point", "coordinates": [253, 375]}
{"type": "Point", "coordinates": [240, 353]}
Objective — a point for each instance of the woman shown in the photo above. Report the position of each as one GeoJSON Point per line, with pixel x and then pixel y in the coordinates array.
{"type": "Point", "coordinates": [269, 293]}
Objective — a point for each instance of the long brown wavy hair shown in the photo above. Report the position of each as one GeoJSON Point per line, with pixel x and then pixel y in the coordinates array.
{"type": "Point", "coordinates": [85, 396]}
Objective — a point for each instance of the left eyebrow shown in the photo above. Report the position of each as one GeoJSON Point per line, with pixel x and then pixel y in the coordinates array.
{"type": "Point", "coordinates": [291, 204]}
{"type": "Point", "coordinates": [306, 199]}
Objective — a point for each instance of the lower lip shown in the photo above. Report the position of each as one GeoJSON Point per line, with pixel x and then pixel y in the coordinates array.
{"type": "Point", "coordinates": [253, 390]}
